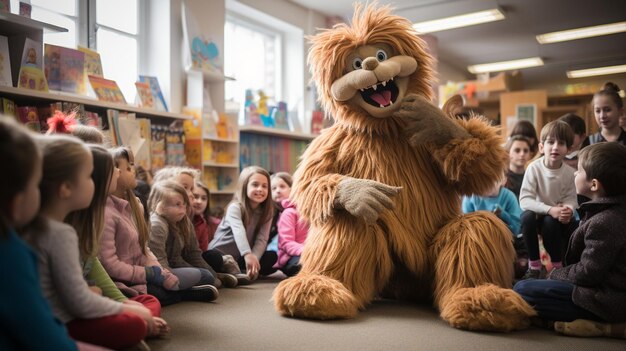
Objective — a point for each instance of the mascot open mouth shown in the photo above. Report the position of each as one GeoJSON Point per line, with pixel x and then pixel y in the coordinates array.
{"type": "Point", "coordinates": [382, 94]}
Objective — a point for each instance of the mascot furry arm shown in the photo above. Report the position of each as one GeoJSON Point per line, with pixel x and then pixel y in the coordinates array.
{"type": "Point", "coordinates": [381, 189]}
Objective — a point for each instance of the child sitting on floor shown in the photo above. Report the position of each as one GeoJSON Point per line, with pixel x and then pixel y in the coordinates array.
{"type": "Point", "coordinates": [590, 291]}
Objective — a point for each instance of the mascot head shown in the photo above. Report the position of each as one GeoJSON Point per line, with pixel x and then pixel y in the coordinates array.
{"type": "Point", "coordinates": [363, 71]}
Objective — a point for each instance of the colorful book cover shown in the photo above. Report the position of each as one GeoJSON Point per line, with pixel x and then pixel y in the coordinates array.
{"type": "Point", "coordinates": [5, 63]}
{"type": "Point", "coordinates": [193, 150]}
{"type": "Point", "coordinates": [32, 78]}
{"type": "Point", "coordinates": [106, 90]}
{"type": "Point", "coordinates": [25, 9]}
{"type": "Point", "coordinates": [158, 147]}
{"type": "Point", "coordinates": [29, 117]}
{"type": "Point", "coordinates": [174, 147]}
{"type": "Point", "coordinates": [159, 100]}
{"type": "Point", "coordinates": [52, 66]}
{"type": "Point", "coordinates": [8, 107]}
{"type": "Point", "coordinates": [5, 6]}
{"type": "Point", "coordinates": [31, 56]}
{"type": "Point", "coordinates": [145, 152]}
{"type": "Point", "coordinates": [93, 64]}
{"type": "Point", "coordinates": [112, 121]}
{"type": "Point", "coordinates": [72, 71]}
{"type": "Point", "coordinates": [145, 94]}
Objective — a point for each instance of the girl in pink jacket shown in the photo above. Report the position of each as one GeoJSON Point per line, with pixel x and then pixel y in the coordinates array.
{"type": "Point", "coordinates": [292, 232]}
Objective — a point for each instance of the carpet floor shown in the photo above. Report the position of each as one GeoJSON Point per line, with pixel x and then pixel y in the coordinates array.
{"type": "Point", "coordinates": [244, 319]}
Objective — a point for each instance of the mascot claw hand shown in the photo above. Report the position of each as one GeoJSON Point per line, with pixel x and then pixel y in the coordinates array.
{"type": "Point", "coordinates": [365, 198]}
{"type": "Point", "coordinates": [428, 124]}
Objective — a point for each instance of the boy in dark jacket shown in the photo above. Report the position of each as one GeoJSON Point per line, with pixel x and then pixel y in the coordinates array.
{"type": "Point", "coordinates": [588, 296]}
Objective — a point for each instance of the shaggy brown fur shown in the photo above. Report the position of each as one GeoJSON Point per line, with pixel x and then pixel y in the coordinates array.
{"type": "Point", "coordinates": [422, 248]}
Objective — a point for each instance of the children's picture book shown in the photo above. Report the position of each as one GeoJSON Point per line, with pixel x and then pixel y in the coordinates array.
{"type": "Point", "coordinates": [93, 64]}
{"type": "Point", "coordinates": [73, 71]}
{"type": "Point", "coordinates": [174, 147]}
{"type": "Point", "coordinates": [144, 152]}
{"type": "Point", "coordinates": [31, 56]}
{"type": "Point", "coordinates": [158, 147]}
{"type": "Point", "coordinates": [106, 90]}
{"type": "Point", "coordinates": [29, 117]}
{"type": "Point", "coordinates": [25, 9]}
{"type": "Point", "coordinates": [5, 6]}
{"type": "Point", "coordinates": [64, 69]}
{"type": "Point", "coordinates": [32, 78]}
{"type": "Point", "coordinates": [144, 93]}
{"type": "Point", "coordinates": [52, 66]}
{"type": "Point", "coordinates": [5, 63]}
{"type": "Point", "coordinates": [8, 107]}
{"type": "Point", "coordinates": [159, 100]}
{"type": "Point", "coordinates": [279, 115]}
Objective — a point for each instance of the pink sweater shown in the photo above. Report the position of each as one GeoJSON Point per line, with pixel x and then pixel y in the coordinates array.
{"type": "Point", "coordinates": [292, 233]}
{"type": "Point", "coordinates": [120, 252]}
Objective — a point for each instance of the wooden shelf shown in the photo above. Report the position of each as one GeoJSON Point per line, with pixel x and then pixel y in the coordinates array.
{"type": "Point", "coordinates": [222, 140]}
{"type": "Point", "coordinates": [276, 132]}
{"type": "Point", "coordinates": [16, 24]}
{"type": "Point", "coordinates": [223, 165]}
{"type": "Point", "coordinates": [53, 96]}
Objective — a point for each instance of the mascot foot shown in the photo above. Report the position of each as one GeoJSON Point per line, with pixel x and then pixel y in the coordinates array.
{"type": "Point", "coordinates": [314, 296]}
{"type": "Point", "coordinates": [486, 307]}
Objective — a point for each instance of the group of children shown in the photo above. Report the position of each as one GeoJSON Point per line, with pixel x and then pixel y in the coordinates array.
{"type": "Point", "coordinates": [101, 262]}
{"type": "Point", "coordinates": [98, 267]}
{"type": "Point", "coordinates": [587, 251]}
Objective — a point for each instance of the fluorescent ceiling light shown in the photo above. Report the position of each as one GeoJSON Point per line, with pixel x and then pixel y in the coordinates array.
{"type": "Point", "coordinates": [506, 65]}
{"type": "Point", "coordinates": [599, 71]}
{"type": "Point", "coordinates": [465, 20]}
{"type": "Point", "coordinates": [579, 33]}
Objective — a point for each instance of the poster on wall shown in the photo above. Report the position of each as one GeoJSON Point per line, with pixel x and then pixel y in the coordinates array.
{"type": "Point", "coordinates": [200, 52]}
{"type": "Point", "coordinates": [526, 112]}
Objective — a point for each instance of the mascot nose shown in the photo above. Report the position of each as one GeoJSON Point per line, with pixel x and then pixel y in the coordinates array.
{"type": "Point", "coordinates": [370, 63]}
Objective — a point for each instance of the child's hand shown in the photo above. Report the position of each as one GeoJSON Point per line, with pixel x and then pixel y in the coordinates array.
{"type": "Point", "coordinates": [555, 211]}
{"type": "Point", "coordinates": [565, 216]}
{"type": "Point", "coordinates": [252, 265]}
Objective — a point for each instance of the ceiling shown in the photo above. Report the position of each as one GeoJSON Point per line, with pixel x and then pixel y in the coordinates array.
{"type": "Point", "coordinates": [513, 37]}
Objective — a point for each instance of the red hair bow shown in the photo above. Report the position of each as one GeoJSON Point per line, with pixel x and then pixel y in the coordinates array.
{"type": "Point", "coordinates": [61, 123]}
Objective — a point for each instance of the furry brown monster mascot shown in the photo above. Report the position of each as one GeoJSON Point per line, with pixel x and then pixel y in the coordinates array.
{"type": "Point", "coordinates": [381, 189]}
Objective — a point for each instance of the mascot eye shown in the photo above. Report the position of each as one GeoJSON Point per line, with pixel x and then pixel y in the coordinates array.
{"type": "Point", "coordinates": [357, 63]}
{"type": "Point", "coordinates": [381, 55]}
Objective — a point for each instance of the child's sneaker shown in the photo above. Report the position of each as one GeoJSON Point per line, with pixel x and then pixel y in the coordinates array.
{"type": "Point", "coordinates": [532, 274]}
{"type": "Point", "coordinates": [229, 280]}
{"type": "Point", "coordinates": [230, 266]}
{"type": "Point", "coordinates": [204, 293]}
{"type": "Point", "coordinates": [243, 279]}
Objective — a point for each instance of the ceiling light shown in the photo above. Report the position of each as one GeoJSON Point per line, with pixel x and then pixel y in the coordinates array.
{"type": "Point", "coordinates": [599, 71]}
{"type": "Point", "coordinates": [465, 20]}
{"type": "Point", "coordinates": [579, 33]}
{"type": "Point", "coordinates": [506, 65]}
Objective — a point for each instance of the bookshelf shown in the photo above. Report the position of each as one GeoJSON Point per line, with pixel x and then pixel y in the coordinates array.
{"type": "Point", "coordinates": [275, 150]}
{"type": "Point", "coordinates": [23, 96]}
{"type": "Point", "coordinates": [219, 140]}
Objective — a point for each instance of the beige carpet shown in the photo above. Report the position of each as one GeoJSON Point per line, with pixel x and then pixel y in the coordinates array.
{"type": "Point", "coordinates": [244, 319]}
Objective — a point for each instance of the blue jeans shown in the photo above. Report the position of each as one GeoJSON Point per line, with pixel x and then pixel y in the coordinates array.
{"type": "Point", "coordinates": [552, 299]}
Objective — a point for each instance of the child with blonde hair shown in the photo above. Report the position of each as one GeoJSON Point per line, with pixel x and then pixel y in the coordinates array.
{"type": "Point", "coordinates": [244, 230]}
{"type": "Point", "coordinates": [173, 241]}
{"type": "Point", "coordinates": [67, 186]}
{"type": "Point", "coordinates": [89, 224]}
{"type": "Point", "coordinates": [27, 320]}
{"type": "Point", "coordinates": [124, 251]}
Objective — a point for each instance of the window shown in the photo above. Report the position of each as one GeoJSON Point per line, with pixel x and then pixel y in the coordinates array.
{"type": "Point", "coordinates": [253, 58]}
{"type": "Point", "coordinates": [117, 41]}
{"type": "Point", "coordinates": [63, 13]}
{"type": "Point", "coordinates": [113, 26]}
